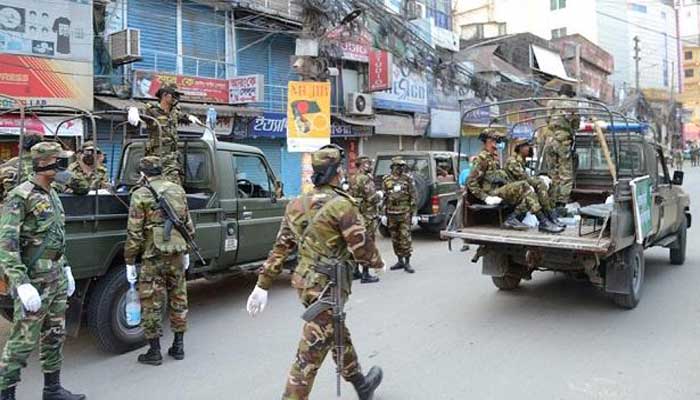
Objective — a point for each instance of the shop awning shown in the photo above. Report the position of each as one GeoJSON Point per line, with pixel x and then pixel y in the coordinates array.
{"type": "Point", "coordinates": [192, 108]}
{"type": "Point", "coordinates": [398, 125]}
{"type": "Point", "coordinates": [550, 63]}
{"type": "Point", "coordinates": [356, 121]}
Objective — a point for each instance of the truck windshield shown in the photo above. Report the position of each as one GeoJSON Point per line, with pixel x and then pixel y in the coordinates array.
{"type": "Point", "coordinates": [592, 158]}
{"type": "Point", "coordinates": [417, 166]}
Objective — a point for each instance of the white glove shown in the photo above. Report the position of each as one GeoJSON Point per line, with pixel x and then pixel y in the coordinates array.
{"type": "Point", "coordinates": [185, 261]}
{"type": "Point", "coordinates": [71, 281]}
{"type": "Point", "coordinates": [131, 273]}
{"type": "Point", "coordinates": [256, 301]}
{"type": "Point", "coordinates": [547, 180]}
{"type": "Point", "coordinates": [134, 116]}
{"type": "Point", "coordinates": [194, 120]}
{"type": "Point", "coordinates": [414, 220]}
{"type": "Point", "coordinates": [380, 194]}
{"type": "Point", "coordinates": [493, 200]}
{"type": "Point", "coordinates": [384, 220]}
{"type": "Point", "coordinates": [29, 297]}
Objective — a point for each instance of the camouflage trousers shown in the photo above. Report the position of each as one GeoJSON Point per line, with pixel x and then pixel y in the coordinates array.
{"type": "Point", "coordinates": [163, 279]}
{"type": "Point", "coordinates": [371, 226]}
{"type": "Point", "coordinates": [317, 338]}
{"type": "Point", "coordinates": [544, 195]}
{"type": "Point", "coordinates": [170, 164]}
{"type": "Point", "coordinates": [399, 226]}
{"type": "Point", "coordinates": [520, 195]}
{"type": "Point", "coordinates": [46, 326]}
{"type": "Point", "coordinates": [561, 169]}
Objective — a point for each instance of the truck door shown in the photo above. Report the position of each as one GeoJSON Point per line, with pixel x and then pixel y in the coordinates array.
{"type": "Point", "coordinates": [259, 212]}
{"type": "Point", "coordinates": [664, 197]}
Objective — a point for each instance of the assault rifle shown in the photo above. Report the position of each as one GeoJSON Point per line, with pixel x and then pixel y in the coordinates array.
{"type": "Point", "coordinates": [172, 220]}
{"type": "Point", "coordinates": [338, 278]}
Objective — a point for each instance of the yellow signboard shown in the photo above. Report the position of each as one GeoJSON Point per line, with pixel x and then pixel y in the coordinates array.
{"type": "Point", "coordinates": [308, 116]}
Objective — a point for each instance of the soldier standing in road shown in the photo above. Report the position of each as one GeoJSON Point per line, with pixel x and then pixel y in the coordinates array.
{"type": "Point", "coordinates": [87, 169]}
{"type": "Point", "coordinates": [400, 212]}
{"type": "Point", "coordinates": [325, 226]}
{"type": "Point", "coordinates": [32, 248]}
{"type": "Point", "coordinates": [515, 168]}
{"type": "Point", "coordinates": [363, 190]}
{"type": "Point", "coordinates": [490, 184]}
{"type": "Point", "coordinates": [168, 114]}
{"type": "Point", "coordinates": [163, 262]}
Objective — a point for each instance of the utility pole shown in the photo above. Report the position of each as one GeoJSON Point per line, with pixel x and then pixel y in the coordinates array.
{"type": "Point", "coordinates": [637, 58]}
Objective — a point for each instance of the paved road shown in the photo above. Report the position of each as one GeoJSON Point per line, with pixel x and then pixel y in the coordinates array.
{"type": "Point", "coordinates": [443, 333]}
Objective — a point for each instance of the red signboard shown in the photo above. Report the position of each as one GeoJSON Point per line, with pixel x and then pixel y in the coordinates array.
{"type": "Point", "coordinates": [207, 90]}
{"type": "Point", "coordinates": [355, 46]}
{"type": "Point", "coordinates": [379, 70]}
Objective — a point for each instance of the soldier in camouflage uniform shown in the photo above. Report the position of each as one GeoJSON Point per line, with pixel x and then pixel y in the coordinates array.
{"type": "Point", "coordinates": [363, 190]}
{"type": "Point", "coordinates": [324, 225]}
{"type": "Point", "coordinates": [8, 170]}
{"type": "Point", "coordinates": [32, 248]}
{"type": "Point", "coordinates": [168, 114]}
{"type": "Point", "coordinates": [400, 210]}
{"type": "Point", "coordinates": [563, 125]}
{"type": "Point", "coordinates": [515, 168]}
{"type": "Point", "coordinates": [163, 262]}
{"type": "Point", "coordinates": [490, 184]}
{"type": "Point", "coordinates": [86, 169]}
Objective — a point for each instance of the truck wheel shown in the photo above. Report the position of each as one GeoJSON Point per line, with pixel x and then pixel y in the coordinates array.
{"type": "Point", "coordinates": [634, 260]}
{"type": "Point", "coordinates": [506, 282]}
{"type": "Point", "coordinates": [7, 313]}
{"type": "Point", "coordinates": [106, 316]}
{"type": "Point", "coordinates": [677, 255]}
{"type": "Point", "coordinates": [384, 231]}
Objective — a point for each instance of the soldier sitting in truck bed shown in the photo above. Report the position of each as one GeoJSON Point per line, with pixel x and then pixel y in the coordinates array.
{"type": "Point", "coordinates": [490, 184]}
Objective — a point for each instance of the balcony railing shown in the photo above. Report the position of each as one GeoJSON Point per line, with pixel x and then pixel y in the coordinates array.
{"type": "Point", "coordinates": [154, 60]}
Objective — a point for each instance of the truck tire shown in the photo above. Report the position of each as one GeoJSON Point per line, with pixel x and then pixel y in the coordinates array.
{"type": "Point", "coordinates": [422, 191]}
{"type": "Point", "coordinates": [8, 314]}
{"type": "Point", "coordinates": [106, 318]}
{"type": "Point", "coordinates": [506, 282]}
{"type": "Point", "coordinates": [634, 259]}
{"type": "Point", "coordinates": [677, 255]}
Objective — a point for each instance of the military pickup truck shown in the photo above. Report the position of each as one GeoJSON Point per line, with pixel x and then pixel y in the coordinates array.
{"type": "Point", "coordinates": [235, 204]}
{"type": "Point", "coordinates": [605, 246]}
{"type": "Point", "coordinates": [435, 176]}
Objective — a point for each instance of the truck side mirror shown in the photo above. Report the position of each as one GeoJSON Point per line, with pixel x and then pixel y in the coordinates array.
{"type": "Point", "coordinates": [678, 178]}
{"type": "Point", "coordinates": [279, 189]}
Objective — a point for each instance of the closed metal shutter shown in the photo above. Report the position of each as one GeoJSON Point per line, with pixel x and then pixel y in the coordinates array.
{"type": "Point", "coordinates": [156, 19]}
{"type": "Point", "coordinates": [203, 40]}
{"type": "Point", "coordinates": [377, 143]}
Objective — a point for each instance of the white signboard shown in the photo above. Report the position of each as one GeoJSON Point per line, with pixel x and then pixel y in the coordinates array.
{"type": "Point", "coordinates": [409, 92]}
{"type": "Point", "coordinates": [47, 126]}
{"type": "Point", "coordinates": [446, 39]}
{"type": "Point", "coordinates": [246, 89]}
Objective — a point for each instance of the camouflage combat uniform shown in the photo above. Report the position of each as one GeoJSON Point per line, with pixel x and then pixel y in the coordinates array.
{"type": "Point", "coordinates": [96, 179]}
{"type": "Point", "coordinates": [557, 151]}
{"type": "Point", "coordinates": [8, 173]}
{"type": "Point", "coordinates": [515, 168]}
{"type": "Point", "coordinates": [363, 190]}
{"type": "Point", "coordinates": [162, 274]}
{"type": "Point", "coordinates": [323, 224]}
{"type": "Point", "coordinates": [400, 206]}
{"type": "Point", "coordinates": [484, 180]}
{"type": "Point", "coordinates": [167, 150]}
{"type": "Point", "coordinates": [33, 218]}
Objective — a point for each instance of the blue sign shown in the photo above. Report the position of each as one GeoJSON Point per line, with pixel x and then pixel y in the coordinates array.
{"type": "Point", "coordinates": [522, 131]}
{"type": "Point", "coordinates": [409, 92]}
{"type": "Point", "coordinates": [479, 116]}
{"type": "Point", "coordinates": [274, 126]}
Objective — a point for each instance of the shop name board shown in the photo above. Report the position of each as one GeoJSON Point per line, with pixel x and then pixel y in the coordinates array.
{"type": "Point", "coordinates": [45, 126]}
{"type": "Point", "coordinates": [409, 92]}
{"type": "Point", "coordinates": [476, 116]}
{"type": "Point", "coordinates": [274, 125]}
{"type": "Point", "coordinates": [356, 47]}
{"type": "Point", "coordinates": [193, 88]}
{"type": "Point", "coordinates": [246, 89]}
{"type": "Point", "coordinates": [379, 70]}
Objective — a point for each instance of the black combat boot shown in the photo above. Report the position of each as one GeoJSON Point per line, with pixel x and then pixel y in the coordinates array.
{"type": "Point", "coordinates": [554, 217]}
{"type": "Point", "coordinates": [367, 278]}
{"type": "Point", "coordinates": [356, 274]}
{"type": "Point", "coordinates": [407, 265]}
{"type": "Point", "coordinates": [8, 394]}
{"type": "Point", "coordinates": [398, 265]}
{"type": "Point", "coordinates": [514, 221]}
{"type": "Point", "coordinates": [546, 225]}
{"type": "Point", "coordinates": [177, 351]}
{"type": "Point", "coordinates": [365, 385]}
{"type": "Point", "coordinates": [152, 356]}
{"type": "Point", "coordinates": [53, 389]}
{"type": "Point", "coordinates": [561, 210]}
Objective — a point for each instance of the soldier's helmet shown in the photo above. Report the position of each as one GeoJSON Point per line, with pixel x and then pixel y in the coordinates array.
{"type": "Point", "coordinates": [325, 158]}
{"type": "Point", "coordinates": [30, 139]}
{"type": "Point", "coordinates": [361, 160]}
{"type": "Point", "coordinates": [490, 133]}
{"type": "Point", "coordinates": [169, 88]}
{"type": "Point", "coordinates": [45, 150]}
{"type": "Point", "coordinates": [149, 164]}
{"type": "Point", "coordinates": [398, 161]}
{"type": "Point", "coordinates": [517, 143]}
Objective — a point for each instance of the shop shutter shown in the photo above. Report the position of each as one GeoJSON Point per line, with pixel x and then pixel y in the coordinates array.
{"type": "Point", "coordinates": [378, 143]}
{"type": "Point", "coordinates": [156, 19]}
{"type": "Point", "coordinates": [203, 40]}
{"type": "Point", "coordinates": [291, 173]}
{"type": "Point", "coordinates": [113, 154]}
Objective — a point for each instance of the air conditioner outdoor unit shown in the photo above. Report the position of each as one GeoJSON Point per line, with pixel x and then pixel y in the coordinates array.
{"type": "Point", "coordinates": [125, 46]}
{"type": "Point", "coordinates": [416, 10]}
{"type": "Point", "coordinates": [359, 104]}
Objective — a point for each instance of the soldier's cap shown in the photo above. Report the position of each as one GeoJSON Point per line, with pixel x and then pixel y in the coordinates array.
{"type": "Point", "coordinates": [361, 160]}
{"type": "Point", "coordinates": [45, 150]}
{"type": "Point", "coordinates": [90, 145]}
{"type": "Point", "coordinates": [398, 160]}
{"type": "Point", "coordinates": [521, 142]}
{"type": "Point", "coordinates": [149, 163]}
{"type": "Point", "coordinates": [170, 88]}
{"type": "Point", "coordinates": [324, 158]}
{"type": "Point", "coordinates": [490, 133]}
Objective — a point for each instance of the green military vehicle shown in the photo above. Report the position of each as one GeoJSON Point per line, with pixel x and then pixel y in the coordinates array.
{"type": "Point", "coordinates": [435, 174]}
{"type": "Point", "coordinates": [617, 222]}
{"type": "Point", "coordinates": [234, 199]}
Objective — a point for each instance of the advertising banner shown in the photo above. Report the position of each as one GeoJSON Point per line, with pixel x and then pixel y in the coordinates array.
{"type": "Point", "coordinates": [61, 29]}
{"type": "Point", "coordinates": [379, 70]}
{"type": "Point", "coordinates": [642, 202]}
{"type": "Point", "coordinates": [444, 123]}
{"type": "Point", "coordinates": [10, 125]}
{"type": "Point", "coordinates": [42, 81]}
{"type": "Point", "coordinates": [274, 125]}
{"type": "Point", "coordinates": [408, 92]}
{"type": "Point", "coordinates": [309, 115]}
{"type": "Point", "coordinates": [246, 89]}
{"type": "Point", "coordinates": [355, 46]}
{"type": "Point", "coordinates": [195, 89]}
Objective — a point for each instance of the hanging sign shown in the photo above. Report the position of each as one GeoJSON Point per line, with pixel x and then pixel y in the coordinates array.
{"type": "Point", "coordinates": [308, 116]}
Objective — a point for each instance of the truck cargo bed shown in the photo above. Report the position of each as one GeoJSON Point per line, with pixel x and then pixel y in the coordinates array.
{"type": "Point", "coordinates": [568, 240]}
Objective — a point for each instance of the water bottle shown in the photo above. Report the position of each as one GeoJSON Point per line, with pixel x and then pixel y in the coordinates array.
{"type": "Point", "coordinates": [133, 306]}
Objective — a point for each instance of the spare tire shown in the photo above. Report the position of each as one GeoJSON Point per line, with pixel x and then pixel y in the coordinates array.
{"type": "Point", "coordinates": [422, 191]}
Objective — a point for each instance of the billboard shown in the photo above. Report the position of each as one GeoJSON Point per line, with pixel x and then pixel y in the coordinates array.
{"type": "Point", "coordinates": [246, 89]}
{"type": "Point", "coordinates": [409, 92]}
{"type": "Point", "coordinates": [194, 88]}
{"type": "Point", "coordinates": [309, 115]}
{"type": "Point", "coordinates": [379, 70]}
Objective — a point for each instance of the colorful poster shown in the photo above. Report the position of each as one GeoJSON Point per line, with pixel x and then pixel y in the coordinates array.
{"type": "Point", "coordinates": [194, 89]}
{"type": "Point", "coordinates": [379, 70]}
{"type": "Point", "coordinates": [309, 116]}
{"type": "Point", "coordinates": [62, 29]}
{"type": "Point", "coordinates": [246, 89]}
{"type": "Point", "coordinates": [408, 92]}
{"type": "Point", "coordinates": [42, 81]}
{"type": "Point", "coordinates": [49, 126]}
